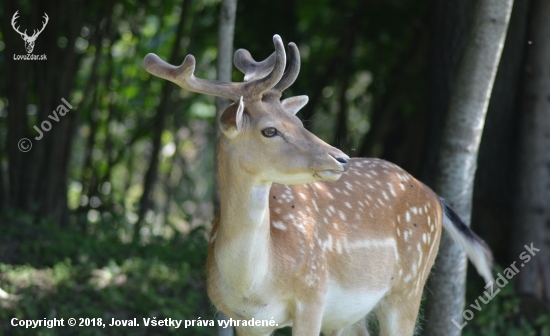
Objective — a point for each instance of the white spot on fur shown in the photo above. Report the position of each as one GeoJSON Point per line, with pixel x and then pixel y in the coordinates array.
{"type": "Point", "coordinates": [279, 225]}
{"type": "Point", "coordinates": [342, 215]}
{"type": "Point", "coordinates": [390, 187]}
{"type": "Point", "coordinates": [315, 205]}
{"type": "Point", "coordinates": [338, 247]}
{"type": "Point", "coordinates": [300, 227]}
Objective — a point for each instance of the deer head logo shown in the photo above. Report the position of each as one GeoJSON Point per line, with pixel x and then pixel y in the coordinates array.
{"type": "Point", "coordinates": [29, 40]}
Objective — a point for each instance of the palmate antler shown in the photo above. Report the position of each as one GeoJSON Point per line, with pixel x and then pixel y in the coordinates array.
{"type": "Point", "coordinates": [260, 77]}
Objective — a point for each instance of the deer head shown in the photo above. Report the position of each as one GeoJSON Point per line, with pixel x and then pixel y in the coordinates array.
{"type": "Point", "coordinates": [29, 40]}
{"type": "Point", "coordinates": [261, 134]}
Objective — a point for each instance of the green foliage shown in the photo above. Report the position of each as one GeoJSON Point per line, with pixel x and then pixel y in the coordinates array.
{"type": "Point", "coordinates": [502, 315]}
{"type": "Point", "coordinates": [61, 272]}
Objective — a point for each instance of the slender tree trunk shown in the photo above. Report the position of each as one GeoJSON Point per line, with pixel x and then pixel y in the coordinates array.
{"type": "Point", "coordinates": [162, 111]}
{"type": "Point", "coordinates": [226, 33]}
{"type": "Point", "coordinates": [532, 212]}
{"type": "Point", "coordinates": [458, 156]}
{"type": "Point", "coordinates": [494, 193]}
{"type": "Point", "coordinates": [450, 22]}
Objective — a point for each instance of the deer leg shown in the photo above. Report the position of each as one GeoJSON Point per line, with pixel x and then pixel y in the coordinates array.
{"type": "Point", "coordinates": [307, 319]}
{"type": "Point", "coordinates": [397, 313]}
{"type": "Point", "coordinates": [357, 329]}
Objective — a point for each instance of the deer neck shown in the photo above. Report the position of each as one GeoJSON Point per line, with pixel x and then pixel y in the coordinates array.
{"type": "Point", "coordinates": [242, 250]}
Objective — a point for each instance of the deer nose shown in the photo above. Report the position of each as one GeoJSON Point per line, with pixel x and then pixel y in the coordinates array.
{"type": "Point", "coordinates": [344, 161]}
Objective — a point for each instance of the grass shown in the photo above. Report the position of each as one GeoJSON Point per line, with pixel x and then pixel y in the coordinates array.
{"type": "Point", "coordinates": [52, 272]}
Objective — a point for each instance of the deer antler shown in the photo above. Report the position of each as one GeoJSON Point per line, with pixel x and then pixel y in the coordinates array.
{"type": "Point", "coordinates": [250, 68]}
{"type": "Point", "coordinates": [35, 35]}
{"type": "Point", "coordinates": [292, 70]}
{"type": "Point", "coordinates": [184, 77]}
{"type": "Point", "coordinates": [254, 70]}
{"type": "Point", "coordinates": [13, 19]}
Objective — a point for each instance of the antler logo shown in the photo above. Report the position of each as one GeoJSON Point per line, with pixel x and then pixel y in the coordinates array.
{"type": "Point", "coordinates": [29, 40]}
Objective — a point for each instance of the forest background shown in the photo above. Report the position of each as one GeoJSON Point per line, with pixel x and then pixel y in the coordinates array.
{"type": "Point", "coordinates": [108, 214]}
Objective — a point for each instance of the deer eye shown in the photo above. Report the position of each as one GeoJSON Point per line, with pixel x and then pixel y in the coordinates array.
{"type": "Point", "coordinates": [269, 132]}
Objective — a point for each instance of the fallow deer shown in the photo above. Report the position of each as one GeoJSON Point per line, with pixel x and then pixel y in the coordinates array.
{"type": "Point", "coordinates": [306, 236]}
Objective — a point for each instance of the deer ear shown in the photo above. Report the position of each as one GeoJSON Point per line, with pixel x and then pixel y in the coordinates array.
{"type": "Point", "coordinates": [294, 104]}
{"type": "Point", "coordinates": [231, 120]}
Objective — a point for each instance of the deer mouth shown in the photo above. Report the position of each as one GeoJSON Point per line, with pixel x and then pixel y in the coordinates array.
{"type": "Point", "coordinates": [328, 175]}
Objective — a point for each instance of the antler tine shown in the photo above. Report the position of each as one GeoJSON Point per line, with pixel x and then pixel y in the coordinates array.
{"type": "Point", "coordinates": [258, 86]}
{"type": "Point", "coordinates": [252, 69]}
{"type": "Point", "coordinates": [293, 69]}
{"type": "Point", "coordinates": [184, 77]}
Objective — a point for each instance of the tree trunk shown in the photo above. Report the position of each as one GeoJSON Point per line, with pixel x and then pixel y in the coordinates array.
{"type": "Point", "coordinates": [162, 111]}
{"type": "Point", "coordinates": [450, 22]}
{"type": "Point", "coordinates": [532, 211]}
{"type": "Point", "coordinates": [458, 156]}
{"type": "Point", "coordinates": [494, 194]}
{"type": "Point", "coordinates": [226, 32]}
